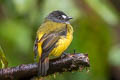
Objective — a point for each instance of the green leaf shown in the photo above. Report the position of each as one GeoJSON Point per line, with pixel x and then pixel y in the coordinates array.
{"type": "Point", "coordinates": [3, 59]}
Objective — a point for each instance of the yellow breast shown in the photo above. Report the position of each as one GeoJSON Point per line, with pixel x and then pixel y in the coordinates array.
{"type": "Point", "coordinates": [63, 43]}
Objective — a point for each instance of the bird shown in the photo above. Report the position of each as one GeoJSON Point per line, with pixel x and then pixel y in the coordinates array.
{"type": "Point", "coordinates": [52, 39]}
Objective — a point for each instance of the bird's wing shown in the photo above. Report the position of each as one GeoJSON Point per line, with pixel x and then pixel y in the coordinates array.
{"type": "Point", "coordinates": [48, 45]}
{"type": "Point", "coordinates": [48, 42]}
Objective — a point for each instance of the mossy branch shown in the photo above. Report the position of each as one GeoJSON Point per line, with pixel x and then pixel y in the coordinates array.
{"type": "Point", "coordinates": [68, 63]}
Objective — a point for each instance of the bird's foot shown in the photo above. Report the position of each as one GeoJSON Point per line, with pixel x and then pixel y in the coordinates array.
{"type": "Point", "coordinates": [64, 55]}
{"type": "Point", "coordinates": [74, 51]}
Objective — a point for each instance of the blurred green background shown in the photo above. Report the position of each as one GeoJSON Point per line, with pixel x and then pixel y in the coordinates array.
{"type": "Point", "coordinates": [96, 26]}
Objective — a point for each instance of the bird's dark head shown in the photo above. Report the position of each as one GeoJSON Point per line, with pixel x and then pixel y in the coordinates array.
{"type": "Point", "coordinates": [58, 16]}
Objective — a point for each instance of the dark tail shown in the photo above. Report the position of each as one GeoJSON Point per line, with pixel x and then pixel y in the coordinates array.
{"type": "Point", "coordinates": [43, 66]}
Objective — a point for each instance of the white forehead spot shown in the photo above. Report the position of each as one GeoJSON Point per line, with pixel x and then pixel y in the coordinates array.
{"type": "Point", "coordinates": [64, 16]}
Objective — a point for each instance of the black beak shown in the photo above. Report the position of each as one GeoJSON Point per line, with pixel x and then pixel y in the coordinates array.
{"type": "Point", "coordinates": [69, 18]}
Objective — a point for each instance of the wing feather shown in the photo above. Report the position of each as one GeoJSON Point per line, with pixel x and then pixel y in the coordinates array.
{"type": "Point", "coordinates": [48, 42]}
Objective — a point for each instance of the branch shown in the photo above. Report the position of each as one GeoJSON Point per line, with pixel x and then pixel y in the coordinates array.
{"type": "Point", "coordinates": [68, 63]}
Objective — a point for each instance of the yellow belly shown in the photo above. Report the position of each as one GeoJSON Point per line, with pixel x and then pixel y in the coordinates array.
{"type": "Point", "coordinates": [61, 45]}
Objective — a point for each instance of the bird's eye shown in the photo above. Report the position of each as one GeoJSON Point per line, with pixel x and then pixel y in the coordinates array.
{"type": "Point", "coordinates": [64, 17]}
{"type": "Point", "coordinates": [60, 17]}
